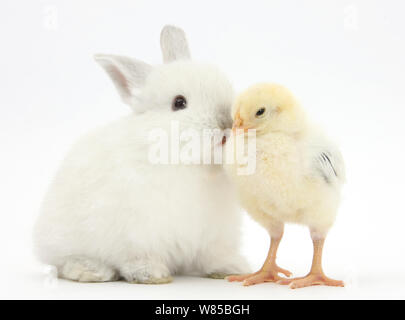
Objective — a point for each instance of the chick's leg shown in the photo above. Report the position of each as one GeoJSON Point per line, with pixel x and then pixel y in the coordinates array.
{"type": "Point", "coordinates": [269, 271]}
{"type": "Point", "coordinates": [316, 275]}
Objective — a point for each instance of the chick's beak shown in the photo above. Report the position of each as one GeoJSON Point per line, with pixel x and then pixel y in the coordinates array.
{"type": "Point", "coordinates": [238, 124]}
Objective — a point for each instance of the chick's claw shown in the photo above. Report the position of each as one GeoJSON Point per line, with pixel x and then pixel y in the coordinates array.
{"type": "Point", "coordinates": [283, 271]}
{"type": "Point", "coordinates": [260, 276]}
{"type": "Point", "coordinates": [311, 280]}
{"type": "Point", "coordinates": [241, 277]}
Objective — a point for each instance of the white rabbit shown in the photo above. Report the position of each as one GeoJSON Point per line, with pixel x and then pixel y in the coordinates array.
{"type": "Point", "coordinates": [112, 214]}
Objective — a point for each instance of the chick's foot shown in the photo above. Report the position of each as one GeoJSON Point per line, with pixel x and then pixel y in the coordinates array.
{"type": "Point", "coordinates": [312, 279]}
{"type": "Point", "coordinates": [260, 276]}
{"type": "Point", "coordinates": [240, 277]}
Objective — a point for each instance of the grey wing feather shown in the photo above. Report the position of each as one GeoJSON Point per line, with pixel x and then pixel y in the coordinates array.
{"type": "Point", "coordinates": [325, 160]}
{"type": "Point", "coordinates": [330, 166]}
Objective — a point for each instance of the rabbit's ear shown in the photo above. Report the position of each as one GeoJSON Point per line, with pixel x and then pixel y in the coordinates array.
{"type": "Point", "coordinates": [174, 44]}
{"type": "Point", "coordinates": [127, 74]}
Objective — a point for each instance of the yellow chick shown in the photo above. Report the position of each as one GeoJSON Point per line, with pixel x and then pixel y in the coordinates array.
{"type": "Point", "coordinates": [298, 178]}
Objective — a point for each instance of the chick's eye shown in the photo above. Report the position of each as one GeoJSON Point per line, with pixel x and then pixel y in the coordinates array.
{"type": "Point", "coordinates": [179, 102]}
{"type": "Point", "coordinates": [260, 112]}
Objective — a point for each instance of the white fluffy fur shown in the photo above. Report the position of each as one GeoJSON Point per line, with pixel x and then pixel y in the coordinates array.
{"type": "Point", "coordinates": [110, 212]}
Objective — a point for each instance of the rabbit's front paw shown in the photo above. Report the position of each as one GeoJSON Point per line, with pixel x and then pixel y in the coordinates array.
{"type": "Point", "coordinates": [218, 275]}
{"type": "Point", "coordinates": [83, 269]}
{"type": "Point", "coordinates": [146, 272]}
{"type": "Point", "coordinates": [224, 266]}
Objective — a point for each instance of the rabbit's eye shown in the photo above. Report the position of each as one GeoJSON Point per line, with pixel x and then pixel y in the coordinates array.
{"type": "Point", "coordinates": [179, 102]}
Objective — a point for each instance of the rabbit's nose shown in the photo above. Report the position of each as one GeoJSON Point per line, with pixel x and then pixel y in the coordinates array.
{"type": "Point", "coordinates": [224, 120]}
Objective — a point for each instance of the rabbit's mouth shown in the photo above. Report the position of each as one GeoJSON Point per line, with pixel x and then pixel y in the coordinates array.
{"type": "Point", "coordinates": [220, 141]}
{"type": "Point", "coordinates": [225, 135]}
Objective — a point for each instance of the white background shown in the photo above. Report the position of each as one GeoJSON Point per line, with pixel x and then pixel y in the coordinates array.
{"type": "Point", "coordinates": [343, 59]}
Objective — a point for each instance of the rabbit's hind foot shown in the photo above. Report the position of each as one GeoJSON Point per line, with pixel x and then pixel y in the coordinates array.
{"type": "Point", "coordinates": [82, 269]}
